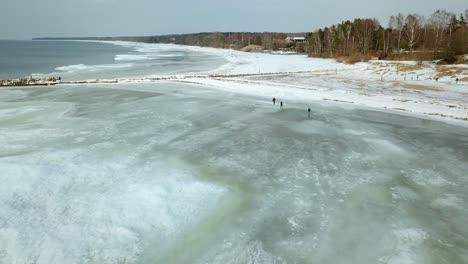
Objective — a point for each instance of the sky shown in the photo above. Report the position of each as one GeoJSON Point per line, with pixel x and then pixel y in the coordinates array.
{"type": "Point", "coordinates": [25, 19]}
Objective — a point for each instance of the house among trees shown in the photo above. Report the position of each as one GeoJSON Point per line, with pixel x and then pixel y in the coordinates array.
{"type": "Point", "coordinates": [376, 56]}
{"type": "Point", "coordinates": [295, 39]}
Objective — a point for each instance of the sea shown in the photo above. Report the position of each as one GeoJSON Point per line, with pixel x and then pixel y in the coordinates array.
{"type": "Point", "coordinates": [80, 60]}
{"type": "Point", "coordinates": [175, 173]}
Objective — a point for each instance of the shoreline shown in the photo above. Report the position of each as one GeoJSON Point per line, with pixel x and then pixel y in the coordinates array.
{"type": "Point", "coordinates": [376, 85]}
{"type": "Point", "coordinates": [449, 120]}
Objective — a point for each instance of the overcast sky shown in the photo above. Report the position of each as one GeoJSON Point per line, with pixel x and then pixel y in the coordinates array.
{"type": "Point", "coordinates": [24, 19]}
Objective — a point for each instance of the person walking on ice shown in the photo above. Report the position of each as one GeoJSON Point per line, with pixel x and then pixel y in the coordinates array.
{"type": "Point", "coordinates": [281, 104]}
{"type": "Point", "coordinates": [308, 110]}
{"type": "Point", "coordinates": [274, 100]}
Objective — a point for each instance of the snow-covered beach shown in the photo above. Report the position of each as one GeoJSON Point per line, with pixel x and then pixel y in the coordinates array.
{"type": "Point", "coordinates": [362, 84]}
{"type": "Point", "coordinates": [407, 88]}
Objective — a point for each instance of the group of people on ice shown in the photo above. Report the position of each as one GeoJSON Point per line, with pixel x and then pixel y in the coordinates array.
{"type": "Point", "coordinates": [281, 105]}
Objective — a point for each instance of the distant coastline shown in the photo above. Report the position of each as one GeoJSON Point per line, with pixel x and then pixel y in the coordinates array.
{"type": "Point", "coordinates": [441, 37]}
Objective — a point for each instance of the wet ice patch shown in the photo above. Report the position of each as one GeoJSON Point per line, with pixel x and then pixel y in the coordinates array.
{"type": "Point", "coordinates": [12, 111]}
{"type": "Point", "coordinates": [311, 127]}
{"type": "Point", "coordinates": [386, 145]}
{"type": "Point", "coordinates": [427, 177]}
{"type": "Point", "coordinates": [250, 252]}
{"type": "Point", "coordinates": [403, 192]}
{"type": "Point", "coordinates": [234, 125]}
{"type": "Point", "coordinates": [356, 132]}
{"type": "Point", "coordinates": [7, 95]}
{"type": "Point", "coordinates": [24, 113]}
{"type": "Point", "coordinates": [408, 242]}
{"type": "Point", "coordinates": [448, 201]}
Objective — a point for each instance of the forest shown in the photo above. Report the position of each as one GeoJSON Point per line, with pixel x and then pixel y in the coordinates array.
{"type": "Point", "coordinates": [442, 35]}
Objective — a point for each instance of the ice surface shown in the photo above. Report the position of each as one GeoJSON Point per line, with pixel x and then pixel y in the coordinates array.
{"type": "Point", "coordinates": [174, 173]}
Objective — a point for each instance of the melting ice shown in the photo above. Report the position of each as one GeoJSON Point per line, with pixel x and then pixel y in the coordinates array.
{"type": "Point", "coordinates": [171, 173]}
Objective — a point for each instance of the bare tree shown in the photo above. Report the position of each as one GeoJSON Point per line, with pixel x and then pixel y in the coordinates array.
{"type": "Point", "coordinates": [349, 27]}
{"type": "Point", "coordinates": [344, 36]}
{"type": "Point", "coordinates": [397, 23]}
{"type": "Point", "coordinates": [330, 36]}
{"type": "Point", "coordinates": [364, 29]}
{"type": "Point", "coordinates": [317, 43]}
{"type": "Point", "coordinates": [452, 27]}
{"type": "Point", "coordinates": [386, 40]}
{"type": "Point", "coordinates": [412, 29]}
{"type": "Point", "coordinates": [439, 22]}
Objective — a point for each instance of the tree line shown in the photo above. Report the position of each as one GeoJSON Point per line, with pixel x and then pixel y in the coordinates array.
{"type": "Point", "coordinates": [443, 34]}
{"type": "Point", "coordinates": [232, 40]}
